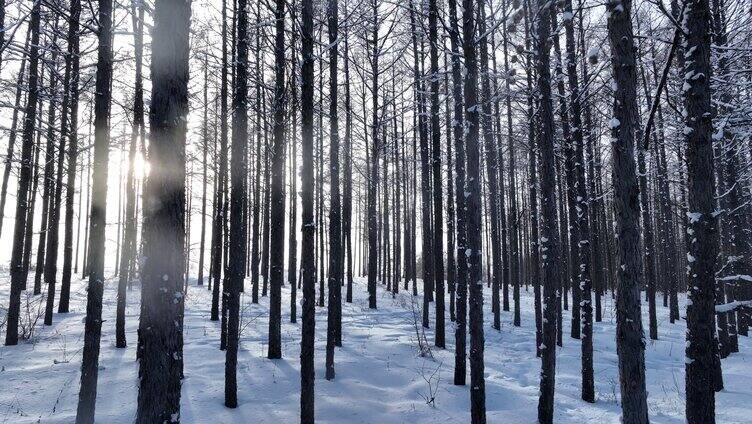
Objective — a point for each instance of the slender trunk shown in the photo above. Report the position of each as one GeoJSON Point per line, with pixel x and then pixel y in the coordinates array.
{"type": "Point", "coordinates": [217, 230]}
{"type": "Point", "coordinates": [703, 247]}
{"type": "Point", "coordinates": [237, 235]}
{"type": "Point", "coordinates": [629, 334]}
{"type": "Point", "coordinates": [492, 171]}
{"type": "Point", "coordinates": [277, 206]}
{"type": "Point", "coordinates": [161, 363]}
{"type": "Point", "coordinates": [292, 260]}
{"type": "Point", "coordinates": [437, 245]}
{"type": "Point", "coordinates": [127, 258]}
{"type": "Point", "coordinates": [335, 230]}
{"type": "Point", "coordinates": [514, 222]}
{"type": "Point", "coordinates": [68, 131]}
{"type": "Point", "coordinates": [256, 241]}
{"type": "Point", "coordinates": [93, 323]}
{"type": "Point", "coordinates": [49, 168]}
{"type": "Point", "coordinates": [348, 175]}
{"type": "Point", "coordinates": [549, 240]}
{"type": "Point", "coordinates": [474, 247]}
{"type": "Point", "coordinates": [460, 356]}
{"type": "Point", "coordinates": [14, 120]}
{"type": "Point", "coordinates": [204, 175]}
{"type": "Point", "coordinates": [307, 259]}
{"type": "Point", "coordinates": [73, 56]}
{"type": "Point", "coordinates": [18, 280]}
{"type": "Point", "coordinates": [374, 170]}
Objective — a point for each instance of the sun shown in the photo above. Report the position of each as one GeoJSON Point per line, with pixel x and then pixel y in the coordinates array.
{"type": "Point", "coordinates": [140, 167]}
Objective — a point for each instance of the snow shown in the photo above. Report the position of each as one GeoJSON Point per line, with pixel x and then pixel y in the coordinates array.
{"type": "Point", "coordinates": [381, 378]}
{"type": "Point", "coordinates": [728, 307]}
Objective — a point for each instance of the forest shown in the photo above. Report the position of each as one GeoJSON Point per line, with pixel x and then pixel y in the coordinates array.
{"type": "Point", "coordinates": [376, 211]}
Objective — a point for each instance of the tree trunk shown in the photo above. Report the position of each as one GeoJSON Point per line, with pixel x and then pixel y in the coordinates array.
{"type": "Point", "coordinates": [629, 334]}
{"type": "Point", "coordinates": [14, 121]}
{"type": "Point", "coordinates": [307, 259]}
{"type": "Point", "coordinates": [549, 240]}
{"type": "Point", "coordinates": [93, 324]}
{"type": "Point", "coordinates": [460, 355]}
{"type": "Point", "coordinates": [204, 175]}
{"type": "Point", "coordinates": [217, 240]}
{"type": "Point", "coordinates": [18, 280]}
{"type": "Point", "coordinates": [49, 166]}
{"type": "Point", "coordinates": [474, 248]}
{"type": "Point", "coordinates": [335, 223]}
{"type": "Point", "coordinates": [68, 130]}
{"type": "Point", "coordinates": [73, 55]}
{"type": "Point", "coordinates": [492, 170]}
{"type": "Point", "coordinates": [374, 169]}
{"type": "Point", "coordinates": [277, 207]}
{"type": "Point", "coordinates": [238, 171]}
{"type": "Point", "coordinates": [161, 363]}
{"type": "Point", "coordinates": [437, 246]}
{"type": "Point", "coordinates": [703, 245]}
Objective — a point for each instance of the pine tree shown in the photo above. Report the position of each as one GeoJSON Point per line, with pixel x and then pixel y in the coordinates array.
{"type": "Point", "coordinates": [87, 394]}
{"type": "Point", "coordinates": [307, 259]}
{"type": "Point", "coordinates": [702, 227]}
{"type": "Point", "coordinates": [17, 277]}
{"type": "Point", "coordinates": [335, 221]}
{"type": "Point", "coordinates": [437, 245]}
{"type": "Point", "coordinates": [277, 222]}
{"type": "Point", "coordinates": [629, 334]}
{"type": "Point", "coordinates": [550, 248]}
{"type": "Point", "coordinates": [161, 363]}
{"type": "Point", "coordinates": [460, 356]}
{"type": "Point", "coordinates": [73, 54]}
{"type": "Point", "coordinates": [474, 248]}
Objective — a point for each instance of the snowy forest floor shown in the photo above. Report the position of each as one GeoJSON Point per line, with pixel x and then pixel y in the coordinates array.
{"type": "Point", "coordinates": [381, 378]}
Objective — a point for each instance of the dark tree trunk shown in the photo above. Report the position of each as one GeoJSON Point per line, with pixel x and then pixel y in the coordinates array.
{"type": "Point", "coordinates": [492, 171]}
{"type": "Point", "coordinates": [256, 240]}
{"type": "Point", "coordinates": [307, 259]}
{"type": "Point", "coordinates": [703, 245]}
{"type": "Point", "coordinates": [49, 167]}
{"type": "Point", "coordinates": [629, 334]}
{"type": "Point", "coordinates": [161, 363]}
{"type": "Point", "coordinates": [437, 245]}
{"type": "Point", "coordinates": [514, 222]}
{"type": "Point", "coordinates": [533, 181]}
{"type": "Point", "coordinates": [335, 223]}
{"type": "Point", "coordinates": [348, 175]}
{"type": "Point", "coordinates": [292, 260]}
{"type": "Point", "coordinates": [68, 130]}
{"type": "Point", "coordinates": [238, 175]}
{"type": "Point", "coordinates": [374, 169]}
{"type": "Point", "coordinates": [14, 120]}
{"type": "Point", "coordinates": [460, 356]}
{"type": "Point", "coordinates": [549, 240]}
{"type": "Point", "coordinates": [93, 324]}
{"type": "Point", "coordinates": [277, 206]}
{"type": "Point", "coordinates": [583, 288]}
{"type": "Point", "coordinates": [204, 174]}
{"type": "Point", "coordinates": [647, 226]}
{"type": "Point", "coordinates": [217, 244]}
{"type": "Point", "coordinates": [589, 134]}
{"type": "Point", "coordinates": [18, 280]}
{"type": "Point", "coordinates": [73, 56]}
{"type": "Point", "coordinates": [451, 269]}
{"type": "Point", "coordinates": [474, 246]}
{"type": "Point", "coordinates": [32, 195]}
{"type": "Point", "coordinates": [128, 252]}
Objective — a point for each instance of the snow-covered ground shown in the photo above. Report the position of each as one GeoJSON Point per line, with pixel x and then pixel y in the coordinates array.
{"type": "Point", "coordinates": [380, 376]}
